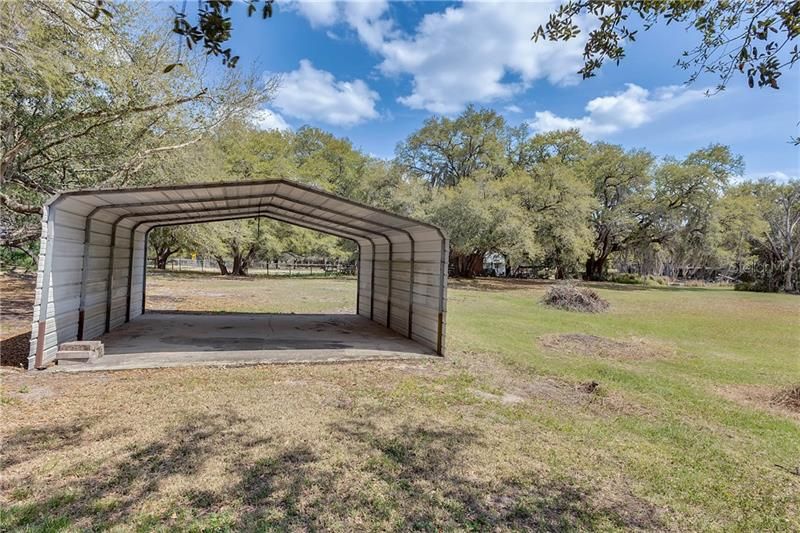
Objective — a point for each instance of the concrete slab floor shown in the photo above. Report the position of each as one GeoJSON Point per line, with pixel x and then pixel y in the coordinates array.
{"type": "Point", "coordinates": [164, 339]}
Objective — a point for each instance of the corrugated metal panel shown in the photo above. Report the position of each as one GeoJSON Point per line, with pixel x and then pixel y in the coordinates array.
{"type": "Point", "coordinates": [94, 247]}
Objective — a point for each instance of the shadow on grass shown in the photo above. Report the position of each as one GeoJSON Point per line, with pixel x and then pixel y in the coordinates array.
{"type": "Point", "coordinates": [19, 446]}
{"type": "Point", "coordinates": [405, 478]}
{"type": "Point", "coordinates": [14, 350]}
{"type": "Point", "coordinates": [108, 495]}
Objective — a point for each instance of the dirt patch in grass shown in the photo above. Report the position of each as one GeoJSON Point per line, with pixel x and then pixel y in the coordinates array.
{"type": "Point", "coordinates": [31, 393]}
{"type": "Point", "coordinates": [508, 385]}
{"type": "Point", "coordinates": [784, 401]}
{"type": "Point", "coordinates": [588, 395]}
{"type": "Point", "coordinates": [788, 398]}
{"type": "Point", "coordinates": [505, 398]}
{"type": "Point", "coordinates": [596, 346]}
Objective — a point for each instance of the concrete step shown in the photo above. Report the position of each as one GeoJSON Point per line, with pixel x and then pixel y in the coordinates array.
{"type": "Point", "coordinates": [83, 346]}
{"type": "Point", "coordinates": [74, 356]}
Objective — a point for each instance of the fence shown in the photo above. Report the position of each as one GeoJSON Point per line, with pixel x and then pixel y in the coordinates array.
{"type": "Point", "coordinates": [261, 268]}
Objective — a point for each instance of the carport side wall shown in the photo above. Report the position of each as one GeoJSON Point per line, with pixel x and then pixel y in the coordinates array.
{"type": "Point", "coordinates": [428, 299]}
{"type": "Point", "coordinates": [101, 255]}
{"type": "Point", "coordinates": [63, 242]}
{"type": "Point", "coordinates": [364, 292]}
{"type": "Point", "coordinates": [58, 279]}
{"type": "Point", "coordinates": [429, 309]}
{"type": "Point", "coordinates": [136, 306]}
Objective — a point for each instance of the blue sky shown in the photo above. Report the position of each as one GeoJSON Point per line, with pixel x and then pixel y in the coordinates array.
{"type": "Point", "coordinates": [374, 71]}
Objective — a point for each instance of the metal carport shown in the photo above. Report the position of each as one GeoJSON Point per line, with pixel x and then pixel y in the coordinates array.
{"type": "Point", "coordinates": [92, 262]}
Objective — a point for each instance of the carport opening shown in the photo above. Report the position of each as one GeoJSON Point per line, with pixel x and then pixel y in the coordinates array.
{"type": "Point", "coordinates": [278, 309]}
{"type": "Point", "coordinates": [254, 265]}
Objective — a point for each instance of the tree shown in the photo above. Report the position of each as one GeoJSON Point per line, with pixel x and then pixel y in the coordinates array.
{"type": "Point", "coordinates": [84, 103]}
{"type": "Point", "coordinates": [241, 240]}
{"type": "Point", "coordinates": [305, 243]}
{"type": "Point", "coordinates": [545, 181]}
{"type": "Point", "coordinates": [657, 214]}
{"type": "Point", "coordinates": [682, 216]}
{"type": "Point", "coordinates": [566, 147]}
{"type": "Point", "coordinates": [327, 161]}
{"type": "Point", "coordinates": [779, 243]}
{"type": "Point", "coordinates": [557, 204]}
{"type": "Point", "coordinates": [741, 221]}
{"type": "Point", "coordinates": [621, 181]}
{"type": "Point", "coordinates": [753, 37]}
{"type": "Point", "coordinates": [165, 242]}
{"type": "Point", "coordinates": [247, 153]}
{"type": "Point", "coordinates": [480, 219]}
{"type": "Point", "coordinates": [213, 28]}
{"type": "Point", "coordinates": [446, 151]}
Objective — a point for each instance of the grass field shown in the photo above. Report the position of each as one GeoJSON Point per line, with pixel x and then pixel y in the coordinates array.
{"type": "Point", "coordinates": [655, 415]}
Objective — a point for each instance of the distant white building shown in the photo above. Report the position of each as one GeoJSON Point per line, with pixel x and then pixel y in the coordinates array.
{"type": "Point", "coordinates": [494, 264]}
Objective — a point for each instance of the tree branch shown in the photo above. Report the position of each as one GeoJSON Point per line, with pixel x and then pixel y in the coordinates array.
{"type": "Point", "coordinates": [18, 207]}
{"type": "Point", "coordinates": [138, 160]}
{"type": "Point", "coordinates": [21, 236]}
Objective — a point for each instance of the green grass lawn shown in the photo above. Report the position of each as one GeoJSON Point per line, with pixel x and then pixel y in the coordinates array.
{"type": "Point", "coordinates": [694, 447]}
{"type": "Point", "coordinates": [504, 433]}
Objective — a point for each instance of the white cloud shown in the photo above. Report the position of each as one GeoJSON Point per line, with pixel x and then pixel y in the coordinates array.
{"type": "Point", "coordinates": [266, 119]}
{"type": "Point", "coordinates": [627, 109]}
{"type": "Point", "coordinates": [777, 175]}
{"type": "Point", "coordinates": [513, 109]}
{"type": "Point", "coordinates": [474, 52]}
{"type": "Point", "coordinates": [479, 52]}
{"type": "Point", "coordinates": [368, 21]}
{"type": "Point", "coordinates": [311, 94]}
{"type": "Point", "coordinates": [365, 17]}
{"type": "Point", "coordinates": [318, 12]}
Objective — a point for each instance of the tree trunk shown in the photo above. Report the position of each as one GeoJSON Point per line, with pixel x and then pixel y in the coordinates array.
{"type": "Point", "coordinates": [595, 268]}
{"type": "Point", "coordinates": [237, 266]}
{"type": "Point", "coordinates": [467, 265]}
{"type": "Point", "coordinates": [223, 269]}
{"type": "Point", "coordinates": [787, 278]}
{"type": "Point", "coordinates": [162, 256]}
{"type": "Point", "coordinates": [245, 266]}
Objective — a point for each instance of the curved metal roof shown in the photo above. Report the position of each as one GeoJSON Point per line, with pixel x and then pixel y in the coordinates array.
{"type": "Point", "coordinates": [278, 199]}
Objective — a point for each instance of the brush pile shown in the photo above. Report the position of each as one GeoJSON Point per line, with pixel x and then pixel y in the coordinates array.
{"type": "Point", "coordinates": [570, 297]}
